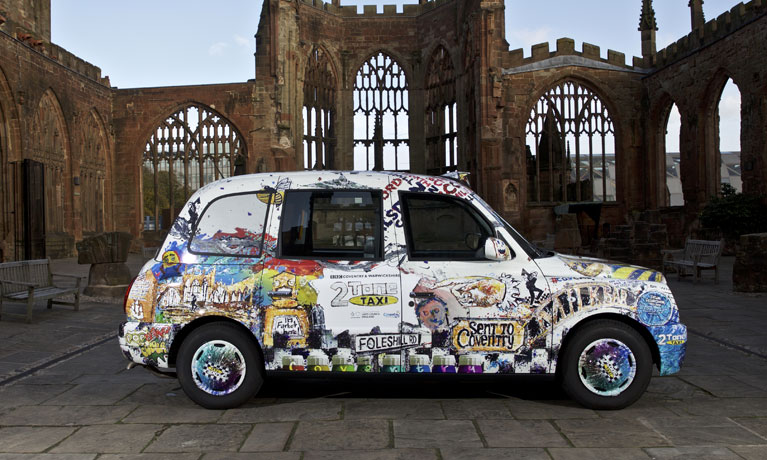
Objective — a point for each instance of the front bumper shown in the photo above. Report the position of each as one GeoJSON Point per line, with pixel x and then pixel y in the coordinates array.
{"type": "Point", "coordinates": [672, 346]}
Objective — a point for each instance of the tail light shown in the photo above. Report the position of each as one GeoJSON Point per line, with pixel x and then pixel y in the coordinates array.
{"type": "Point", "coordinates": [127, 293]}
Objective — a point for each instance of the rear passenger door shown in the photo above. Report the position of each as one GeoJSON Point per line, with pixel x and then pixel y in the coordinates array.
{"type": "Point", "coordinates": [330, 265]}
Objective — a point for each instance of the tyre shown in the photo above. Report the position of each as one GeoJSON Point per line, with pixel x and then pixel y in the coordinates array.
{"type": "Point", "coordinates": [607, 365]}
{"type": "Point", "coordinates": [219, 367]}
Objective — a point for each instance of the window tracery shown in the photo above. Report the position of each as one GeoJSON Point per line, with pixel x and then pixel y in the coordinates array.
{"type": "Point", "coordinates": [381, 115]}
{"type": "Point", "coordinates": [570, 147]}
{"type": "Point", "coordinates": [319, 111]}
{"type": "Point", "coordinates": [192, 147]}
{"type": "Point", "coordinates": [441, 118]}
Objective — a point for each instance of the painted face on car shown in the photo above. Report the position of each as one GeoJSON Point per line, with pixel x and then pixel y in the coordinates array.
{"type": "Point", "coordinates": [432, 314]}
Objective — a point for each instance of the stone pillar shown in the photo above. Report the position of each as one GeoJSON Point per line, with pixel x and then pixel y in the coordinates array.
{"type": "Point", "coordinates": [648, 27]}
{"type": "Point", "coordinates": [753, 150]}
{"type": "Point", "coordinates": [749, 274]}
{"type": "Point", "coordinates": [107, 254]}
{"type": "Point", "coordinates": [697, 19]}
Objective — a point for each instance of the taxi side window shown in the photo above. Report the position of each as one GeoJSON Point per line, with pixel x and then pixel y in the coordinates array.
{"type": "Point", "coordinates": [324, 224]}
{"type": "Point", "coordinates": [439, 227]}
{"type": "Point", "coordinates": [232, 225]}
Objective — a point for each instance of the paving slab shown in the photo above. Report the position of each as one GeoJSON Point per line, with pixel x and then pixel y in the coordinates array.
{"type": "Point", "coordinates": [164, 393]}
{"type": "Point", "coordinates": [527, 409]}
{"type": "Point", "coordinates": [598, 453]}
{"type": "Point", "coordinates": [65, 415]}
{"type": "Point", "coordinates": [756, 424]}
{"type": "Point", "coordinates": [24, 395]}
{"type": "Point", "coordinates": [602, 433]}
{"type": "Point", "coordinates": [388, 454]}
{"type": "Point", "coordinates": [18, 439]}
{"type": "Point", "coordinates": [725, 407]}
{"type": "Point", "coordinates": [341, 435]}
{"type": "Point", "coordinates": [751, 452]}
{"type": "Point", "coordinates": [520, 433]}
{"type": "Point", "coordinates": [704, 431]}
{"type": "Point", "coordinates": [268, 437]}
{"type": "Point", "coordinates": [87, 395]}
{"type": "Point", "coordinates": [47, 456]}
{"type": "Point", "coordinates": [435, 433]}
{"type": "Point", "coordinates": [476, 409]}
{"type": "Point", "coordinates": [521, 453]}
{"type": "Point", "coordinates": [698, 453]}
{"type": "Point", "coordinates": [324, 409]}
{"type": "Point", "coordinates": [724, 386]}
{"type": "Point", "coordinates": [173, 415]}
{"type": "Point", "coordinates": [254, 456]}
{"type": "Point", "coordinates": [200, 438]}
{"type": "Point", "coordinates": [114, 439]}
{"type": "Point", "coordinates": [392, 409]}
{"type": "Point", "coordinates": [165, 456]}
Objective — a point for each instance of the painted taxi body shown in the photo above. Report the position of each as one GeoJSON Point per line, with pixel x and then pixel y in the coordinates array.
{"type": "Point", "coordinates": [385, 272]}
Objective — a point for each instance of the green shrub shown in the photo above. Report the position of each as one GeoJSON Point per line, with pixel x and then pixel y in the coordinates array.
{"type": "Point", "coordinates": [734, 214]}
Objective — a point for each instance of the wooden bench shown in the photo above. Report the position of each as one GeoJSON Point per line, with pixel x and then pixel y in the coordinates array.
{"type": "Point", "coordinates": [697, 255]}
{"type": "Point", "coordinates": [31, 280]}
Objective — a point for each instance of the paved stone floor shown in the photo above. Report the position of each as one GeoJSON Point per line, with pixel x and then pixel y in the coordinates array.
{"type": "Point", "coordinates": [86, 405]}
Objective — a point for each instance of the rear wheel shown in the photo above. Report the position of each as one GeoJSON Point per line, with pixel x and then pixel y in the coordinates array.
{"type": "Point", "coordinates": [607, 365]}
{"type": "Point", "coordinates": [219, 367]}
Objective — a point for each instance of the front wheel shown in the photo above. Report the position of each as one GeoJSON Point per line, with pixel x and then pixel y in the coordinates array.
{"type": "Point", "coordinates": [607, 365]}
{"type": "Point", "coordinates": [219, 367]}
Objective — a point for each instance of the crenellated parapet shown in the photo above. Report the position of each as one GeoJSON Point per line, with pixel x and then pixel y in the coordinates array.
{"type": "Point", "coordinates": [566, 54]}
{"type": "Point", "coordinates": [52, 51]}
{"type": "Point", "coordinates": [725, 24]}
{"type": "Point", "coordinates": [371, 11]}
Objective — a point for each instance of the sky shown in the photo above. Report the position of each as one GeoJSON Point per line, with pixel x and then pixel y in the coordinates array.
{"type": "Point", "coordinates": [146, 43]}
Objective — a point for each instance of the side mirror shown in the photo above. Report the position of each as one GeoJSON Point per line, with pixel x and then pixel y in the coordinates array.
{"type": "Point", "coordinates": [496, 249]}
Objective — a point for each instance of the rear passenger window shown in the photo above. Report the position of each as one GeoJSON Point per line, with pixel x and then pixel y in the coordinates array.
{"type": "Point", "coordinates": [440, 227]}
{"type": "Point", "coordinates": [331, 225]}
{"type": "Point", "coordinates": [232, 225]}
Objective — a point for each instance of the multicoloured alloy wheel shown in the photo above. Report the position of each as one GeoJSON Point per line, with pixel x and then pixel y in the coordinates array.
{"type": "Point", "coordinates": [607, 367]}
{"type": "Point", "coordinates": [218, 367]}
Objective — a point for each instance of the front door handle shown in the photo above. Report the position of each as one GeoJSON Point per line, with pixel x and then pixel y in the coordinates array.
{"type": "Point", "coordinates": [421, 295]}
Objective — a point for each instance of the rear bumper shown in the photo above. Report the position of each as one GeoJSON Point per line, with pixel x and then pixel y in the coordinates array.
{"type": "Point", "coordinates": [146, 343]}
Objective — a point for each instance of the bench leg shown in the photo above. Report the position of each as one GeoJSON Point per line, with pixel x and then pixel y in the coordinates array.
{"type": "Point", "coordinates": [50, 304]}
{"type": "Point", "coordinates": [716, 274]}
{"type": "Point", "coordinates": [30, 304]}
{"type": "Point", "coordinates": [77, 301]}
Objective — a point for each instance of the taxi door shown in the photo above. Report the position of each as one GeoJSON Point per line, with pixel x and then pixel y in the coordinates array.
{"type": "Point", "coordinates": [484, 316]}
{"type": "Point", "coordinates": [330, 280]}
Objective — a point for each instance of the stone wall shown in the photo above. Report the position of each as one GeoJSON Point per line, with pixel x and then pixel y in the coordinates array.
{"type": "Point", "coordinates": [41, 86]}
{"type": "Point", "coordinates": [749, 274]}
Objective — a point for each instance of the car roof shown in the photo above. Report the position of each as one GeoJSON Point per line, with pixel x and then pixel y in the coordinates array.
{"type": "Point", "coordinates": [325, 179]}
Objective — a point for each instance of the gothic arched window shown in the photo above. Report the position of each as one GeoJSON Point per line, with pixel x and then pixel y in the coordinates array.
{"type": "Point", "coordinates": [570, 147]}
{"type": "Point", "coordinates": [381, 115]}
{"type": "Point", "coordinates": [319, 111]}
{"type": "Point", "coordinates": [441, 117]}
{"type": "Point", "coordinates": [192, 147]}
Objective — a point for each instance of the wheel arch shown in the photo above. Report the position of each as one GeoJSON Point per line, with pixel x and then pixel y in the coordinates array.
{"type": "Point", "coordinates": [631, 322]}
{"type": "Point", "coordinates": [188, 328]}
